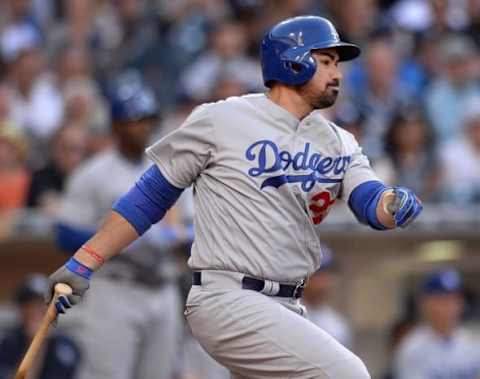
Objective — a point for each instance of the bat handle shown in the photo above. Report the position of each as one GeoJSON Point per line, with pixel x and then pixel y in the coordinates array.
{"type": "Point", "coordinates": [41, 333]}
{"type": "Point", "coordinates": [59, 289]}
{"type": "Point", "coordinates": [393, 203]}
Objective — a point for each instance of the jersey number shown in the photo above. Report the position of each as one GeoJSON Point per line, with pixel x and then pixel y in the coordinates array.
{"type": "Point", "coordinates": [320, 206]}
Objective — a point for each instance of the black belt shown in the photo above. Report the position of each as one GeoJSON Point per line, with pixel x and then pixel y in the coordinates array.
{"type": "Point", "coordinates": [249, 283]}
{"type": "Point", "coordinates": [140, 280]}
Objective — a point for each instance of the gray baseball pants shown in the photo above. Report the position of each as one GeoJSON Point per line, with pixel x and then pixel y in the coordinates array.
{"type": "Point", "coordinates": [258, 336]}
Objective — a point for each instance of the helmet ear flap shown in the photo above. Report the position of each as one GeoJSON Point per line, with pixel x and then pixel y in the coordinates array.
{"type": "Point", "coordinates": [295, 67]}
{"type": "Point", "coordinates": [302, 70]}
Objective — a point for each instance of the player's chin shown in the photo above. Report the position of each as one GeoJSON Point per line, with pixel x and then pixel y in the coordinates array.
{"type": "Point", "coordinates": [327, 100]}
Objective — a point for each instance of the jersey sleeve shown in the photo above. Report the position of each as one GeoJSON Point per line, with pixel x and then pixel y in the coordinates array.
{"type": "Point", "coordinates": [183, 154]}
{"type": "Point", "coordinates": [359, 170]}
{"type": "Point", "coordinates": [78, 207]}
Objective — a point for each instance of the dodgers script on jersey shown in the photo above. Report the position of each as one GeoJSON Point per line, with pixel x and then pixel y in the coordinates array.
{"type": "Point", "coordinates": [263, 182]}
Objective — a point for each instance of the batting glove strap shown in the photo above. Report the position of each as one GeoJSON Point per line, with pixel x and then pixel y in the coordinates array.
{"type": "Point", "coordinates": [406, 207]}
{"type": "Point", "coordinates": [79, 268]}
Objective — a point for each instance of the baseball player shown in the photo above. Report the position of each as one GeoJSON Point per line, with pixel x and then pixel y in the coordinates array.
{"type": "Point", "coordinates": [138, 332]}
{"type": "Point", "coordinates": [439, 348]}
{"type": "Point", "coordinates": [316, 298]}
{"type": "Point", "coordinates": [266, 169]}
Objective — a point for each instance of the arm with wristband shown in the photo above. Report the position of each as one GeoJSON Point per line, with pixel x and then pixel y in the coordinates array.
{"type": "Point", "coordinates": [380, 206]}
{"type": "Point", "coordinates": [132, 215]}
{"type": "Point", "coordinates": [383, 207]}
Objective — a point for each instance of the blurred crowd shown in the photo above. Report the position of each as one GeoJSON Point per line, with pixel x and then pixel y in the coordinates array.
{"type": "Point", "coordinates": [412, 99]}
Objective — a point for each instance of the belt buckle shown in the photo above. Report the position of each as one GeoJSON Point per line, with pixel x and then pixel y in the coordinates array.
{"type": "Point", "coordinates": [298, 289]}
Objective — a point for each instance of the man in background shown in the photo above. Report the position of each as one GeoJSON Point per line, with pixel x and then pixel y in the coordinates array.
{"type": "Point", "coordinates": [59, 358]}
{"type": "Point", "coordinates": [317, 297]}
{"type": "Point", "coordinates": [138, 333]}
{"type": "Point", "coordinates": [439, 348]}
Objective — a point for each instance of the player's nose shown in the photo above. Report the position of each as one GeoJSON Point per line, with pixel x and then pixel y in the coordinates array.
{"type": "Point", "coordinates": [337, 74]}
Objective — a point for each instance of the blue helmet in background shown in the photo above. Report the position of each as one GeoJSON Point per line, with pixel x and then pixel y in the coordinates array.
{"type": "Point", "coordinates": [286, 49]}
{"type": "Point", "coordinates": [442, 282]}
{"type": "Point", "coordinates": [131, 99]}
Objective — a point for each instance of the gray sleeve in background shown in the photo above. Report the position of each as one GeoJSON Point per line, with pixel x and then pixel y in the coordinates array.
{"type": "Point", "coordinates": [78, 207]}
{"type": "Point", "coordinates": [183, 154]}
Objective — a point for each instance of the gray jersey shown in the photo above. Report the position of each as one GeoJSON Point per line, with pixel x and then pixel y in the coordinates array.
{"type": "Point", "coordinates": [263, 182]}
{"type": "Point", "coordinates": [425, 355]}
{"type": "Point", "coordinates": [91, 192]}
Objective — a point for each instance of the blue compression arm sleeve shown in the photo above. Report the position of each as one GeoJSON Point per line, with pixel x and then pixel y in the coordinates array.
{"type": "Point", "coordinates": [363, 202]}
{"type": "Point", "coordinates": [148, 200]}
{"type": "Point", "coordinates": [70, 238]}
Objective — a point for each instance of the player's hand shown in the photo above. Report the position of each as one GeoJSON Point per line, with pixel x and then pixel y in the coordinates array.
{"type": "Point", "coordinates": [405, 207]}
{"type": "Point", "coordinates": [77, 276]}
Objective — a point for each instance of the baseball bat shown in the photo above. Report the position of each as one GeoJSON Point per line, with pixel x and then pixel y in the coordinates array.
{"type": "Point", "coordinates": [41, 333]}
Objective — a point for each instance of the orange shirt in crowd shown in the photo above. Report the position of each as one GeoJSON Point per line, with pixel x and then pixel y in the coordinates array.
{"type": "Point", "coordinates": [14, 186]}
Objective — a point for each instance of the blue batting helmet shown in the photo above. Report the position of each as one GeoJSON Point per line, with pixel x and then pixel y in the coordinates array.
{"type": "Point", "coordinates": [131, 99]}
{"type": "Point", "coordinates": [286, 49]}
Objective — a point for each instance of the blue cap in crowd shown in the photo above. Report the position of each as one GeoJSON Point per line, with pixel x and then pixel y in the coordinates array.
{"type": "Point", "coordinates": [440, 282]}
{"type": "Point", "coordinates": [131, 99]}
{"type": "Point", "coordinates": [31, 288]}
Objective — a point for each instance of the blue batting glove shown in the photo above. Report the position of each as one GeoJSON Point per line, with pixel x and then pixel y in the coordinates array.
{"type": "Point", "coordinates": [405, 207]}
{"type": "Point", "coordinates": [77, 276]}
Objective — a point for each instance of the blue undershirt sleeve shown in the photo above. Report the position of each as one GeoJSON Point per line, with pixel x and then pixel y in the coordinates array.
{"type": "Point", "coordinates": [148, 200]}
{"type": "Point", "coordinates": [363, 202]}
{"type": "Point", "coordinates": [69, 238]}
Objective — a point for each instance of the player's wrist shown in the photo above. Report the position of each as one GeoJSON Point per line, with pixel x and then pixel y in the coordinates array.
{"type": "Point", "coordinates": [89, 258]}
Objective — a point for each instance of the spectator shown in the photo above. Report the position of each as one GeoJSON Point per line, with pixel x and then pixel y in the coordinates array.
{"type": "Point", "coordinates": [20, 28]}
{"type": "Point", "coordinates": [411, 156]}
{"type": "Point", "coordinates": [439, 347]}
{"type": "Point", "coordinates": [397, 332]}
{"type": "Point", "coordinates": [14, 175]}
{"type": "Point", "coordinates": [460, 160]}
{"type": "Point", "coordinates": [377, 89]}
{"type": "Point", "coordinates": [227, 54]}
{"type": "Point", "coordinates": [6, 116]}
{"type": "Point", "coordinates": [349, 117]}
{"type": "Point", "coordinates": [125, 35]}
{"type": "Point", "coordinates": [447, 16]}
{"type": "Point", "coordinates": [473, 29]}
{"type": "Point", "coordinates": [34, 92]}
{"type": "Point", "coordinates": [85, 106]}
{"type": "Point", "coordinates": [61, 355]}
{"type": "Point", "coordinates": [73, 63]}
{"type": "Point", "coordinates": [68, 150]}
{"type": "Point", "coordinates": [317, 297]}
{"type": "Point", "coordinates": [356, 18]}
{"type": "Point", "coordinates": [449, 93]}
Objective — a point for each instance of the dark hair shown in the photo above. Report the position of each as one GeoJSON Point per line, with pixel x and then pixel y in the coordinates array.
{"type": "Point", "coordinates": [406, 115]}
